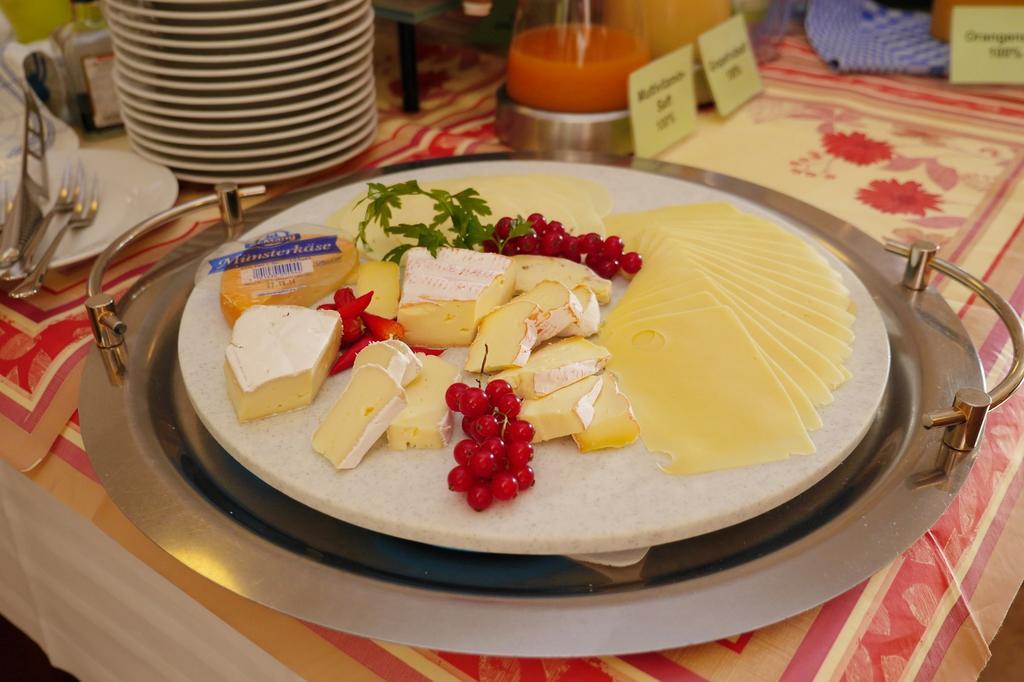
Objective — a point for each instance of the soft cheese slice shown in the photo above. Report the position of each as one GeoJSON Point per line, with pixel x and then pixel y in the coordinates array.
{"type": "Point", "coordinates": [426, 421]}
{"type": "Point", "coordinates": [559, 307]}
{"type": "Point", "coordinates": [704, 395]}
{"type": "Point", "coordinates": [613, 425]}
{"type": "Point", "coordinates": [506, 337]}
{"type": "Point", "coordinates": [444, 298]}
{"type": "Point", "coordinates": [590, 313]}
{"type": "Point", "coordinates": [394, 356]}
{"type": "Point", "coordinates": [532, 270]}
{"type": "Point", "coordinates": [565, 412]}
{"type": "Point", "coordinates": [278, 358]}
{"type": "Point", "coordinates": [365, 409]}
{"type": "Point", "coordinates": [556, 366]}
{"type": "Point", "coordinates": [382, 278]}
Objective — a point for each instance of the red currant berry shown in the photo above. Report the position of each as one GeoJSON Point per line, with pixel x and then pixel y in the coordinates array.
{"type": "Point", "coordinates": [490, 246]}
{"type": "Point", "coordinates": [485, 426]}
{"type": "Point", "coordinates": [503, 227]}
{"type": "Point", "coordinates": [460, 479]}
{"type": "Point", "coordinates": [480, 497]}
{"type": "Point", "coordinates": [571, 249]}
{"type": "Point", "coordinates": [534, 218]}
{"type": "Point", "coordinates": [519, 430]}
{"type": "Point", "coordinates": [511, 247]}
{"type": "Point", "coordinates": [612, 247]}
{"type": "Point", "coordinates": [551, 244]}
{"type": "Point", "coordinates": [519, 454]}
{"type": "Point", "coordinates": [467, 426]}
{"type": "Point", "coordinates": [451, 396]}
{"type": "Point", "coordinates": [631, 262]}
{"type": "Point", "coordinates": [473, 402]}
{"type": "Point", "coordinates": [593, 259]}
{"type": "Point", "coordinates": [525, 477]}
{"type": "Point", "coordinates": [555, 226]}
{"type": "Point", "coordinates": [464, 449]}
{"type": "Point", "coordinates": [528, 244]}
{"type": "Point", "coordinates": [504, 486]}
{"type": "Point", "coordinates": [495, 388]}
{"type": "Point", "coordinates": [495, 446]}
{"type": "Point", "coordinates": [608, 267]}
{"type": "Point", "coordinates": [483, 464]}
{"type": "Point", "coordinates": [508, 404]}
{"type": "Point", "coordinates": [590, 242]}
{"type": "Point", "coordinates": [540, 229]}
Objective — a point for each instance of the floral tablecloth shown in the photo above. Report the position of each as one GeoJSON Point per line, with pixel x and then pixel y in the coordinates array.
{"type": "Point", "coordinates": [897, 157]}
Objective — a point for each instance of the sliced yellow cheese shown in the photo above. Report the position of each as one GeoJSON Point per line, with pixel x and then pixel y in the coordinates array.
{"type": "Point", "coordinates": [532, 270]}
{"type": "Point", "coordinates": [505, 338]}
{"type": "Point", "coordinates": [559, 308]}
{"type": "Point", "coordinates": [372, 399]}
{"type": "Point", "coordinates": [556, 366]}
{"type": "Point", "coordinates": [382, 278]}
{"type": "Point", "coordinates": [613, 425]}
{"type": "Point", "coordinates": [426, 421]}
{"type": "Point", "coordinates": [703, 393]}
{"type": "Point", "coordinates": [394, 356]}
{"type": "Point", "coordinates": [566, 411]}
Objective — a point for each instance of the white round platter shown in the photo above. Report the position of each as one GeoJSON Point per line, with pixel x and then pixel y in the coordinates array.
{"type": "Point", "coordinates": [127, 43]}
{"type": "Point", "coordinates": [216, 42]}
{"type": "Point", "coordinates": [300, 103]}
{"type": "Point", "coordinates": [303, 142]}
{"type": "Point", "coordinates": [208, 27]}
{"type": "Point", "coordinates": [314, 151]}
{"type": "Point", "coordinates": [607, 501]}
{"type": "Point", "coordinates": [237, 125]}
{"type": "Point", "coordinates": [340, 55]}
{"type": "Point", "coordinates": [344, 81]}
{"type": "Point", "coordinates": [242, 15]}
{"type": "Point", "coordinates": [146, 78]}
{"type": "Point", "coordinates": [131, 190]}
{"type": "Point", "coordinates": [246, 174]}
{"type": "Point", "coordinates": [206, 140]}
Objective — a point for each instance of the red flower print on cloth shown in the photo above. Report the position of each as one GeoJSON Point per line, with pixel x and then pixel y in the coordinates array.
{"type": "Point", "coordinates": [857, 148]}
{"type": "Point", "coordinates": [893, 196]}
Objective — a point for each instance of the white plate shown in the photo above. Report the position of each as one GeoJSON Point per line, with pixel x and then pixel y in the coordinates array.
{"type": "Point", "coordinates": [305, 140]}
{"type": "Point", "coordinates": [600, 502]}
{"type": "Point", "coordinates": [251, 44]}
{"type": "Point", "coordinates": [186, 14]}
{"type": "Point", "coordinates": [208, 27]}
{"type": "Point", "coordinates": [295, 104]}
{"type": "Point", "coordinates": [305, 48]}
{"type": "Point", "coordinates": [313, 151]}
{"type": "Point", "coordinates": [345, 80]}
{"type": "Point", "coordinates": [131, 190]}
{"type": "Point", "coordinates": [297, 73]}
{"type": "Point", "coordinates": [237, 125]}
{"type": "Point", "coordinates": [340, 55]}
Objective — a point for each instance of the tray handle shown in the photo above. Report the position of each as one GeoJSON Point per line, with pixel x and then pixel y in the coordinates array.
{"type": "Point", "coordinates": [108, 329]}
{"type": "Point", "coordinates": [965, 420]}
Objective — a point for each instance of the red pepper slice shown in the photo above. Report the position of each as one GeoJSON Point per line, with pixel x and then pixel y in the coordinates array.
{"type": "Point", "coordinates": [426, 351]}
{"type": "Point", "coordinates": [348, 357]}
{"type": "Point", "coordinates": [356, 306]}
{"type": "Point", "coordinates": [351, 330]}
{"type": "Point", "coordinates": [343, 296]}
{"type": "Point", "coordinates": [382, 328]}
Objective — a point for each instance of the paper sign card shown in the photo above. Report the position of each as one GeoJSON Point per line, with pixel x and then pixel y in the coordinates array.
{"type": "Point", "coordinates": [662, 106]}
{"type": "Point", "coordinates": [986, 45]}
{"type": "Point", "coordinates": [729, 64]}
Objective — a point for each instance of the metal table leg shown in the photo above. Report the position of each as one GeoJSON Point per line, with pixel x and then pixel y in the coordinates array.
{"type": "Point", "coordinates": [407, 58]}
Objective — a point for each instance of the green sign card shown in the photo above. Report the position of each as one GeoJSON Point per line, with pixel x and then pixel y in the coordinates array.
{"type": "Point", "coordinates": [729, 64]}
{"type": "Point", "coordinates": [662, 106]}
{"type": "Point", "coordinates": [986, 45]}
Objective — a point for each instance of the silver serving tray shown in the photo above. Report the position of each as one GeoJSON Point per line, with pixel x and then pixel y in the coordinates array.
{"type": "Point", "coordinates": [170, 477]}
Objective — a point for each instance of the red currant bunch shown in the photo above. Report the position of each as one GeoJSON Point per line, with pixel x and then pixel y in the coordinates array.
{"type": "Point", "coordinates": [549, 238]}
{"type": "Point", "coordinates": [493, 462]}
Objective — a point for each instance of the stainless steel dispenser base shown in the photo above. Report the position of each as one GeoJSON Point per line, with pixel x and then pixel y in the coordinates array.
{"type": "Point", "coordinates": [537, 130]}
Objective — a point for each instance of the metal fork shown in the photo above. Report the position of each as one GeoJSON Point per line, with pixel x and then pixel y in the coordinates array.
{"type": "Point", "coordinates": [70, 190]}
{"type": "Point", "coordinates": [83, 215]}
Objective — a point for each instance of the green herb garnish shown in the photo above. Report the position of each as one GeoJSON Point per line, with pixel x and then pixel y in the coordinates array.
{"type": "Point", "coordinates": [464, 210]}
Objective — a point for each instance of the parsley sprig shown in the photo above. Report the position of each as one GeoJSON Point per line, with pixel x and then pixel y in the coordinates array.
{"type": "Point", "coordinates": [463, 211]}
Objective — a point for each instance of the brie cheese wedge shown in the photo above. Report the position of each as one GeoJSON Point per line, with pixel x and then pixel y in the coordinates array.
{"type": "Point", "coordinates": [613, 425]}
{"type": "Point", "coordinates": [506, 337]}
{"type": "Point", "coordinates": [532, 270]}
{"type": "Point", "coordinates": [556, 366]}
{"type": "Point", "coordinates": [565, 412]}
{"type": "Point", "coordinates": [426, 421]}
{"type": "Point", "coordinates": [394, 356]}
{"type": "Point", "coordinates": [590, 313]}
{"type": "Point", "coordinates": [560, 308]}
{"type": "Point", "coordinates": [278, 358]}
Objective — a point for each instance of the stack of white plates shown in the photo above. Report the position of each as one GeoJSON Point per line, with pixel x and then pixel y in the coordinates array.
{"type": "Point", "coordinates": [245, 90]}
